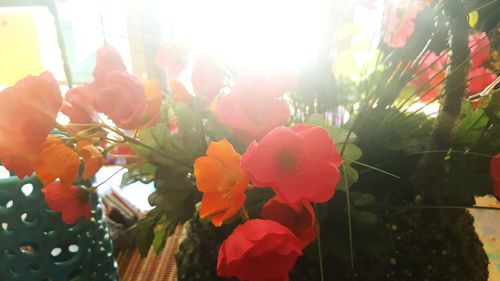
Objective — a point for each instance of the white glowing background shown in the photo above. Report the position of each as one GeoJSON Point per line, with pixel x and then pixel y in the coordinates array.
{"type": "Point", "coordinates": [256, 34]}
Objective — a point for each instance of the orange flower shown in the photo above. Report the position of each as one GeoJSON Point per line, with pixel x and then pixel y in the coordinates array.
{"type": "Point", "coordinates": [299, 217]}
{"type": "Point", "coordinates": [56, 160]}
{"type": "Point", "coordinates": [27, 113]}
{"type": "Point", "coordinates": [92, 158]}
{"type": "Point", "coordinates": [223, 182]}
{"type": "Point", "coordinates": [71, 201]}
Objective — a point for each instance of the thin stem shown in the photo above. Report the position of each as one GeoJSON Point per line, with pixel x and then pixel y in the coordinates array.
{"type": "Point", "coordinates": [110, 177]}
{"type": "Point", "coordinates": [349, 216]}
{"type": "Point", "coordinates": [373, 168]}
{"type": "Point", "coordinates": [318, 239]}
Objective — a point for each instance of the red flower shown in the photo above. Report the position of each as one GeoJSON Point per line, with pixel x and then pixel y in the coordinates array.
{"type": "Point", "coordinates": [259, 250]}
{"type": "Point", "coordinates": [431, 74]}
{"type": "Point", "coordinates": [479, 79]}
{"type": "Point", "coordinates": [299, 165]}
{"type": "Point", "coordinates": [179, 92]}
{"type": "Point", "coordinates": [252, 109]}
{"type": "Point", "coordinates": [77, 105]}
{"type": "Point", "coordinates": [479, 45]}
{"type": "Point", "coordinates": [298, 217]}
{"type": "Point", "coordinates": [495, 174]}
{"type": "Point", "coordinates": [107, 60]}
{"type": "Point", "coordinates": [207, 78]}
{"type": "Point", "coordinates": [172, 57]}
{"type": "Point", "coordinates": [71, 202]}
{"type": "Point", "coordinates": [27, 114]}
{"type": "Point", "coordinates": [121, 98]}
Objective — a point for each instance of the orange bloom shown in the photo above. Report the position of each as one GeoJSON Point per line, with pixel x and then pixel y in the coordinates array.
{"type": "Point", "coordinates": [92, 158]}
{"type": "Point", "coordinates": [299, 217]}
{"type": "Point", "coordinates": [56, 160]}
{"type": "Point", "coordinates": [27, 113]}
{"type": "Point", "coordinates": [223, 182]}
{"type": "Point", "coordinates": [71, 201]}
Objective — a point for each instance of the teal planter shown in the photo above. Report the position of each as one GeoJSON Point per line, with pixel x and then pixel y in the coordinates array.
{"type": "Point", "coordinates": [36, 245]}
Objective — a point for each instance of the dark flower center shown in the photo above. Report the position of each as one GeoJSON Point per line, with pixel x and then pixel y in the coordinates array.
{"type": "Point", "coordinates": [289, 161]}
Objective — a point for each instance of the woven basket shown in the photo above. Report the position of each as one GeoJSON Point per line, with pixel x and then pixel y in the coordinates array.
{"type": "Point", "coordinates": [36, 245]}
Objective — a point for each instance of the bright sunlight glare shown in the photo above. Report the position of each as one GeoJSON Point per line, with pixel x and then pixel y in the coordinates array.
{"type": "Point", "coordinates": [258, 34]}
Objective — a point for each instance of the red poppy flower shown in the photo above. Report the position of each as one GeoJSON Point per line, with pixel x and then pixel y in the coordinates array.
{"type": "Point", "coordinates": [179, 92]}
{"type": "Point", "coordinates": [259, 250]}
{"type": "Point", "coordinates": [253, 109]}
{"type": "Point", "coordinates": [299, 166]}
{"type": "Point", "coordinates": [222, 181]}
{"type": "Point", "coordinates": [107, 60]}
{"type": "Point", "coordinates": [172, 57]}
{"type": "Point", "coordinates": [27, 114]}
{"type": "Point", "coordinates": [495, 174]}
{"type": "Point", "coordinates": [121, 98]}
{"type": "Point", "coordinates": [479, 45]}
{"type": "Point", "coordinates": [72, 202]}
{"type": "Point", "coordinates": [77, 106]}
{"type": "Point", "coordinates": [479, 79]}
{"type": "Point", "coordinates": [207, 78]}
{"type": "Point", "coordinates": [298, 217]}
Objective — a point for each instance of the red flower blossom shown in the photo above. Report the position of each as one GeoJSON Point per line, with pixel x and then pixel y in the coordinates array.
{"type": "Point", "coordinates": [479, 45]}
{"type": "Point", "coordinates": [298, 217]}
{"type": "Point", "coordinates": [299, 165]}
{"type": "Point", "coordinates": [121, 98]}
{"type": "Point", "coordinates": [107, 60]}
{"type": "Point", "coordinates": [252, 109]}
{"type": "Point", "coordinates": [172, 57]}
{"type": "Point", "coordinates": [479, 79]}
{"type": "Point", "coordinates": [207, 78]}
{"type": "Point", "coordinates": [431, 74]}
{"type": "Point", "coordinates": [77, 106]}
{"type": "Point", "coordinates": [259, 250]}
{"type": "Point", "coordinates": [71, 202]}
{"type": "Point", "coordinates": [179, 92]}
{"type": "Point", "coordinates": [495, 174]}
{"type": "Point", "coordinates": [27, 114]}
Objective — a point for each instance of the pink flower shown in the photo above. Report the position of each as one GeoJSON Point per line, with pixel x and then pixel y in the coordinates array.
{"type": "Point", "coordinates": [399, 24]}
{"type": "Point", "coordinates": [172, 57]}
{"type": "Point", "coordinates": [252, 109]}
{"type": "Point", "coordinates": [121, 98]}
{"type": "Point", "coordinates": [107, 60]}
{"type": "Point", "coordinates": [298, 165]}
{"type": "Point", "coordinates": [207, 78]}
{"type": "Point", "coordinates": [27, 114]}
{"type": "Point", "coordinates": [259, 250]}
{"type": "Point", "coordinates": [77, 105]}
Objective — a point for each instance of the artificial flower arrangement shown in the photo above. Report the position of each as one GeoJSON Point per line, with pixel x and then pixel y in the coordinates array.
{"type": "Point", "coordinates": [262, 169]}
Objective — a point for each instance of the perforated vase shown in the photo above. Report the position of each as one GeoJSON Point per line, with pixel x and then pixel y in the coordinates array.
{"type": "Point", "coordinates": [36, 245]}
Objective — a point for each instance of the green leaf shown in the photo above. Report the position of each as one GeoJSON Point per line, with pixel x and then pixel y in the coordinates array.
{"type": "Point", "coordinates": [350, 173]}
{"type": "Point", "coordinates": [316, 119]}
{"type": "Point", "coordinates": [351, 151]}
{"type": "Point", "coordinates": [162, 231]}
{"type": "Point", "coordinates": [339, 135]}
{"type": "Point", "coordinates": [142, 234]}
{"type": "Point", "coordinates": [187, 117]}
